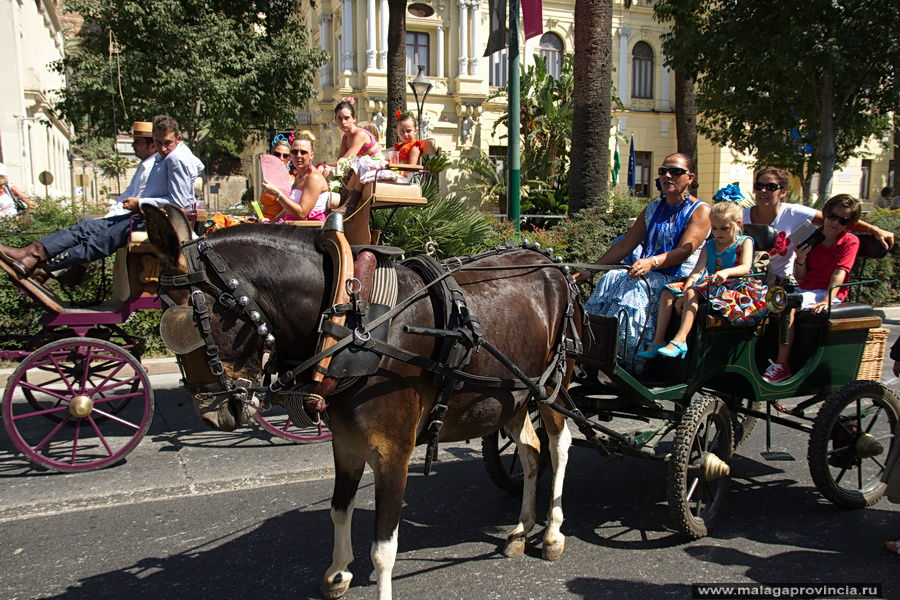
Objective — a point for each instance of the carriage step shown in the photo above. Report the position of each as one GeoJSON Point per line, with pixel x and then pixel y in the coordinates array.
{"type": "Point", "coordinates": [774, 455]}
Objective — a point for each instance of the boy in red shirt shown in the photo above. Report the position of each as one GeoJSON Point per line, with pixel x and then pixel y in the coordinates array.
{"type": "Point", "coordinates": [820, 267]}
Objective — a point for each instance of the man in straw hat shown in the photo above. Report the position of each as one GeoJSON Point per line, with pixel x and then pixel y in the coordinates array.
{"type": "Point", "coordinates": [170, 180]}
{"type": "Point", "coordinates": [145, 149]}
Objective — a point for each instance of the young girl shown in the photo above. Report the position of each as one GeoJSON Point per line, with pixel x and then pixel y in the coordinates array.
{"type": "Point", "coordinates": [409, 147]}
{"type": "Point", "coordinates": [727, 254]}
{"type": "Point", "coordinates": [819, 268]}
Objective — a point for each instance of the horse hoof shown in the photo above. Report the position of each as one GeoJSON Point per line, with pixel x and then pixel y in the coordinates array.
{"type": "Point", "coordinates": [553, 550]}
{"type": "Point", "coordinates": [334, 590]}
{"type": "Point", "coordinates": [515, 546]}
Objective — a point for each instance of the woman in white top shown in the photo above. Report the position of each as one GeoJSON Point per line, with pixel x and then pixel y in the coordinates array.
{"type": "Point", "coordinates": [771, 187]}
{"type": "Point", "coordinates": [8, 196]}
{"type": "Point", "coordinates": [309, 194]}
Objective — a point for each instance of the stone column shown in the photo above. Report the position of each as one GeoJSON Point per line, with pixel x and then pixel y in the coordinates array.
{"type": "Point", "coordinates": [347, 35]}
{"type": "Point", "coordinates": [325, 44]}
{"type": "Point", "coordinates": [666, 78]}
{"type": "Point", "coordinates": [383, 35]}
{"type": "Point", "coordinates": [439, 51]}
{"type": "Point", "coordinates": [475, 8]}
{"type": "Point", "coordinates": [463, 36]}
{"type": "Point", "coordinates": [624, 34]}
{"type": "Point", "coordinates": [371, 52]}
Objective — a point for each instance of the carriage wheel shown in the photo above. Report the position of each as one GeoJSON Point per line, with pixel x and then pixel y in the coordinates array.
{"type": "Point", "coordinates": [698, 466]}
{"type": "Point", "coordinates": [77, 404]}
{"type": "Point", "coordinates": [277, 422]}
{"type": "Point", "coordinates": [501, 458]}
{"type": "Point", "coordinates": [850, 441]}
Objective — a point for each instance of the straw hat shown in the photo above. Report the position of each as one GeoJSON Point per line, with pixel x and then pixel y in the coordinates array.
{"type": "Point", "coordinates": [142, 129]}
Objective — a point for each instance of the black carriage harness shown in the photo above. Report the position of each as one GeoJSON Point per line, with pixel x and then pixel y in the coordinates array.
{"type": "Point", "coordinates": [457, 328]}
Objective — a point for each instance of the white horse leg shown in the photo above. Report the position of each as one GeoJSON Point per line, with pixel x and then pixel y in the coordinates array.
{"type": "Point", "coordinates": [348, 472]}
{"type": "Point", "coordinates": [554, 541]}
{"type": "Point", "coordinates": [528, 446]}
{"type": "Point", "coordinates": [384, 554]}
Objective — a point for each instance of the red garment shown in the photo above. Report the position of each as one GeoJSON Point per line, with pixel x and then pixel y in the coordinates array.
{"type": "Point", "coordinates": [406, 148]}
{"type": "Point", "coordinates": [822, 261]}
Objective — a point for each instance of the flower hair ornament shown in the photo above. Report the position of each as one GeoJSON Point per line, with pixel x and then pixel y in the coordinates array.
{"type": "Point", "coordinates": [730, 193]}
{"type": "Point", "coordinates": [291, 137]}
{"type": "Point", "coordinates": [398, 114]}
{"type": "Point", "coordinates": [348, 99]}
{"type": "Point", "coordinates": [280, 139]}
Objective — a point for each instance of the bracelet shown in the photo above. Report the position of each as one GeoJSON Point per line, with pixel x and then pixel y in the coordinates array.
{"type": "Point", "coordinates": [796, 264]}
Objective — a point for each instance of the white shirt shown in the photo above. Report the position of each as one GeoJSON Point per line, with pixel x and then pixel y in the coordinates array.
{"type": "Point", "coordinates": [789, 218]}
{"type": "Point", "coordinates": [135, 187]}
{"type": "Point", "coordinates": [171, 179]}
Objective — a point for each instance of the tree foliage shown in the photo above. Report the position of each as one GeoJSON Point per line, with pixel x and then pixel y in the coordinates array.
{"type": "Point", "coordinates": [797, 84]}
{"type": "Point", "coordinates": [224, 70]}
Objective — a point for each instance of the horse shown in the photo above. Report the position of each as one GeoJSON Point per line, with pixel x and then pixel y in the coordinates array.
{"type": "Point", "coordinates": [379, 419]}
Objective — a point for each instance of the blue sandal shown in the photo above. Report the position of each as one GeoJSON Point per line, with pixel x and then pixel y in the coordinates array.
{"type": "Point", "coordinates": [679, 351]}
{"type": "Point", "coordinates": [650, 351]}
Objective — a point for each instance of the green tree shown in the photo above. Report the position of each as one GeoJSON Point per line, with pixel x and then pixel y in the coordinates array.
{"type": "Point", "coordinates": [222, 69]}
{"type": "Point", "coordinates": [798, 84]}
{"type": "Point", "coordinates": [592, 69]}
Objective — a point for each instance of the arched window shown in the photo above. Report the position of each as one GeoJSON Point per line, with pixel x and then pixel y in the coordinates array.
{"type": "Point", "coordinates": [642, 71]}
{"type": "Point", "coordinates": [551, 48]}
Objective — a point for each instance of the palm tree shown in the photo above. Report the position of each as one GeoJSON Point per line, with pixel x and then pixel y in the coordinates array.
{"type": "Point", "coordinates": [589, 158]}
{"type": "Point", "coordinates": [396, 67]}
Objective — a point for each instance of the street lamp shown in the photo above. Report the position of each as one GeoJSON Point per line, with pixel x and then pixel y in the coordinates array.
{"type": "Point", "coordinates": [420, 87]}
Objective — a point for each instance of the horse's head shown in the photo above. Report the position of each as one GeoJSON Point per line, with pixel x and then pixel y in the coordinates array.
{"type": "Point", "coordinates": [238, 293]}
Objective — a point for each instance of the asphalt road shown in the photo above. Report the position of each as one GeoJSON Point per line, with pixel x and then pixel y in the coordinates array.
{"type": "Point", "coordinates": [197, 514]}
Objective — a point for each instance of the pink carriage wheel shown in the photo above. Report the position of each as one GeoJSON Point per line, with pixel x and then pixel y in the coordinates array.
{"type": "Point", "coordinates": [77, 404]}
{"type": "Point", "coordinates": [277, 422]}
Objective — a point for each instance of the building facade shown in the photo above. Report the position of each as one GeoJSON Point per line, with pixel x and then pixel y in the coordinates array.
{"type": "Point", "coordinates": [32, 139]}
{"type": "Point", "coordinates": [448, 38]}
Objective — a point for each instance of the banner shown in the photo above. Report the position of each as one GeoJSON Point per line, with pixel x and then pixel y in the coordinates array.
{"type": "Point", "coordinates": [631, 165]}
{"type": "Point", "coordinates": [532, 18]}
{"type": "Point", "coordinates": [497, 37]}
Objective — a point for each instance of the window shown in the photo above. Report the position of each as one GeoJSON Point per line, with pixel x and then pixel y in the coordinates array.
{"type": "Point", "coordinates": [642, 71]}
{"type": "Point", "coordinates": [416, 52]}
{"type": "Point", "coordinates": [551, 48]}
{"type": "Point", "coordinates": [499, 66]}
{"type": "Point", "coordinates": [865, 179]}
{"type": "Point", "coordinates": [642, 174]}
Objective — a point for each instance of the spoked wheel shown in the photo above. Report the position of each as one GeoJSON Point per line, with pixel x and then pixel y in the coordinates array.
{"type": "Point", "coordinates": [277, 422]}
{"type": "Point", "coordinates": [501, 457]}
{"type": "Point", "coordinates": [850, 441]}
{"type": "Point", "coordinates": [77, 404]}
{"type": "Point", "coordinates": [699, 474]}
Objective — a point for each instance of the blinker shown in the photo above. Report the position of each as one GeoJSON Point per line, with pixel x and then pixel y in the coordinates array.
{"type": "Point", "coordinates": [178, 331]}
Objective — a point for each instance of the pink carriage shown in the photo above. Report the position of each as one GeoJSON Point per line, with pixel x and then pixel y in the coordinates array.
{"type": "Point", "coordinates": [80, 398]}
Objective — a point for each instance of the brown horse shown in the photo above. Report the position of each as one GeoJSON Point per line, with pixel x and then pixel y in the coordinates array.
{"type": "Point", "coordinates": [380, 418]}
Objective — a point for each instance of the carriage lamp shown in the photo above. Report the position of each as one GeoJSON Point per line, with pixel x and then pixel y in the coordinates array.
{"type": "Point", "coordinates": [779, 299]}
{"type": "Point", "coordinates": [420, 88]}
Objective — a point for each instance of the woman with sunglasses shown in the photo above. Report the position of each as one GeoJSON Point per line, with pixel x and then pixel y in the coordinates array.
{"type": "Point", "coordinates": [309, 194]}
{"type": "Point", "coordinates": [817, 269]}
{"type": "Point", "coordinates": [668, 234]}
{"type": "Point", "coordinates": [771, 188]}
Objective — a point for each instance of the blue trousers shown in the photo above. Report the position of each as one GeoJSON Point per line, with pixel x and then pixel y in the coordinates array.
{"type": "Point", "coordinates": [89, 240]}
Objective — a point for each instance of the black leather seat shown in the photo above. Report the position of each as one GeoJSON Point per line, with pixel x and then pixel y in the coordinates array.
{"type": "Point", "coordinates": [846, 310]}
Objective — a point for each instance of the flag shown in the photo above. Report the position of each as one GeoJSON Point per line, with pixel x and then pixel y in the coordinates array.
{"type": "Point", "coordinates": [631, 165]}
{"type": "Point", "coordinates": [532, 18]}
{"type": "Point", "coordinates": [617, 164]}
{"type": "Point", "coordinates": [497, 37]}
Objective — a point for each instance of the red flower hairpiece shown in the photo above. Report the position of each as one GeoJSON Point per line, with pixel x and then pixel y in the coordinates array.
{"type": "Point", "coordinates": [348, 99]}
{"type": "Point", "coordinates": [398, 114]}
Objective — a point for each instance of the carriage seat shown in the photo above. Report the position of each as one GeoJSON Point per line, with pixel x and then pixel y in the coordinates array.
{"type": "Point", "coordinates": [139, 243]}
{"type": "Point", "coordinates": [763, 236]}
{"type": "Point", "coordinates": [394, 194]}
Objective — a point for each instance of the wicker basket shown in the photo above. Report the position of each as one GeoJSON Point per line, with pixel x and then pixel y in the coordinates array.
{"type": "Point", "coordinates": [873, 356]}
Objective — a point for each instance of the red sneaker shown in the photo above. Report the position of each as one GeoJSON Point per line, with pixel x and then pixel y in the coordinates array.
{"type": "Point", "coordinates": [777, 371]}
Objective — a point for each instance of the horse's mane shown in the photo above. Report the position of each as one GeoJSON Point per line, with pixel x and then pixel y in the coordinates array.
{"type": "Point", "coordinates": [285, 238]}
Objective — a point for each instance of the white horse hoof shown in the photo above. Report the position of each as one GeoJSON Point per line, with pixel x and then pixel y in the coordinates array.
{"type": "Point", "coordinates": [553, 550]}
{"type": "Point", "coordinates": [515, 546]}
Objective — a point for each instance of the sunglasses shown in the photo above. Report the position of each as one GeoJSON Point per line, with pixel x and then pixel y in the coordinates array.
{"type": "Point", "coordinates": [839, 219]}
{"type": "Point", "coordinates": [673, 171]}
{"type": "Point", "coordinates": [300, 151]}
{"type": "Point", "coordinates": [769, 187]}
{"type": "Point", "coordinates": [281, 155]}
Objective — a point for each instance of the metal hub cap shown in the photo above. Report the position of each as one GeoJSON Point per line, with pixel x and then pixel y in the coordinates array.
{"type": "Point", "coordinates": [867, 446]}
{"type": "Point", "coordinates": [714, 467]}
{"type": "Point", "coordinates": [81, 406]}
